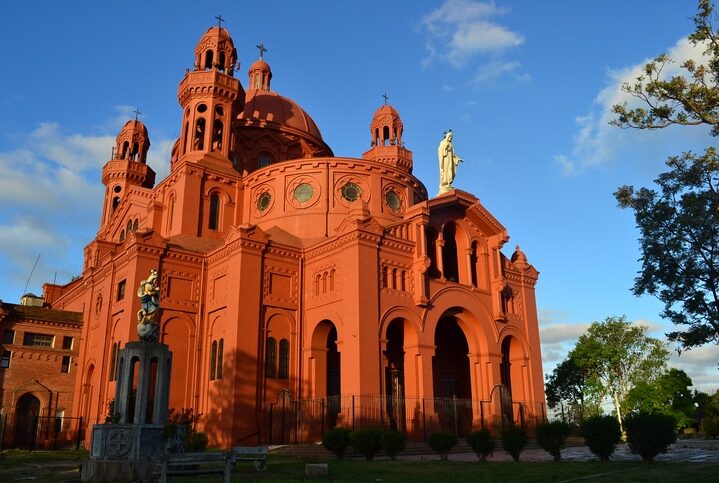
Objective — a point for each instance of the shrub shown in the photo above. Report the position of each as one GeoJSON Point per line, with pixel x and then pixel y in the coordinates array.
{"type": "Point", "coordinates": [710, 426]}
{"type": "Point", "coordinates": [442, 442]}
{"type": "Point", "coordinates": [196, 442]}
{"type": "Point", "coordinates": [392, 443]}
{"type": "Point", "coordinates": [602, 433]}
{"type": "Point", "coordinates": [179, 432]}
{"type": "Point", "coordinates": [514, 439]}
{"type": "Point", "coordinates": [366, 442]}
{"type": "Point", "coordinates": [551, 437]}
{"type": "Point", "coordinates": [649, 434]}
{"type": "Point", "coordinates": [337, 441]}
{"type": "Point", "coordinates": [482, 443]}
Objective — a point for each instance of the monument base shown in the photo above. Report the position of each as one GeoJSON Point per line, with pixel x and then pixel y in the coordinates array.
{"type": "Point", "coordinates": [123, 452]}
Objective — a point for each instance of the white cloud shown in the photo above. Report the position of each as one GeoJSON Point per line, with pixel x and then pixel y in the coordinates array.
{"type": "Point", "coordinates": [51, 197]}
{"type": "Point", "coordinates": [596, 142]}
{"type": "Point", "coordinates": [499, 69]}
{"type": "Point", "coordinates": [461, 29]}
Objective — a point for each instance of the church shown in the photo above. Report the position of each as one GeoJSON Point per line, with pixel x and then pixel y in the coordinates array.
{"type": "Point", "coordinates": [300, 290]}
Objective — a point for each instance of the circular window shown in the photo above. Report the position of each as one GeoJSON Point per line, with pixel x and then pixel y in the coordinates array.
{"type": "Point", "coordinates": [351, 191]}
{"type": "Point", "coordinates": [117, 189]}
{"type": "Point", "coordinates": [264, 200]}
{"type": "Point", "coordinates": [393, 201]}
{"type": "Point", "coordinates": [303, 192]}
{"type": "Point", "coordinates": [201, 108]}
{"type": "Point", "coordinates": [219, 111]}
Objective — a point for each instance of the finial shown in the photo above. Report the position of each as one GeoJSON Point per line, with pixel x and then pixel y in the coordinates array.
{"type": "Point", "coordinates": [385, 98]}
{"type": "Point", "coordinates": [219, 20]}
{"type": "Point", "coordinates": [137, 113]}
{"type": "Point", "coordinates": [262, 48]}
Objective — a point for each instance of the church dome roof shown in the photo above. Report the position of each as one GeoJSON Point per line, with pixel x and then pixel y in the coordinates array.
{"type": "Point", "coordinates": [133, 126]}
{"type": "Point", "coordinates": [270, 107]}
{"type": "Point", "coordinates": [385, 110]}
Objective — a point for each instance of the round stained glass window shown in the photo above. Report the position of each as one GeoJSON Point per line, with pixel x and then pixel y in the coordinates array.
{"type": "Point", "coordinates": [264, 200]}
{"type": "Point", "coordinates": [351, 191]}
{"type": "Point", "coordinates": [303, 192]}
{"type": "Point", "coordinates": [393, 201]}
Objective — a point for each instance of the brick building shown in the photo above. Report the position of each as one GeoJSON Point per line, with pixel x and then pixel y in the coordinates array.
{"type": "Point", "coordinates": [294, 278]}
{"type": "Point", "coordinates": [38, 368]}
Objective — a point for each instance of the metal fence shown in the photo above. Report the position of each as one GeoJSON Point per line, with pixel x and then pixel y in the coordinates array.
{"type": "Point", "coordinates": [41, 432]}
{"type": "Point", "coordinates": [306, 420]}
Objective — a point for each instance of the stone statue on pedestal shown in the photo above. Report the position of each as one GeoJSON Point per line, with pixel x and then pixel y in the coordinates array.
{"type": "Point", "coordinates": [448, 161]}
{"type": "Point", "coordinates": [148, 327]}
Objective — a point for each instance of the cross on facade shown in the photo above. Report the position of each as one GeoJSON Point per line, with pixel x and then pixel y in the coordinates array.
{"type": "Point", "coordinates": [219, 20]}
{"type": "Point", "coordinates": [385, 98]}
{"type": "Point", "coordinates": [262, 48]}
{"type": "Point", "coordinates": [137, 113]}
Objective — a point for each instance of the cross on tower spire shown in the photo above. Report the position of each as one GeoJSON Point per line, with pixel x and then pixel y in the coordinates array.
{"type": "Point", "coordinates": [219, 20]}
{"type": "Point", "coordinates": [385, 98]}
{"type": "Point", "coordinates": [137, 113]}
{"type": "Point", "coordinates": [262, 48]}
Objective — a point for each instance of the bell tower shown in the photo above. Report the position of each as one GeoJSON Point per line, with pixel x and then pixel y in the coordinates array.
{"type": "Point", "coordinates": [386, 139]}
{"type": "Point", "coordinates": [211, 98]}
{"type": "Point", "coordinates": [127, 166]}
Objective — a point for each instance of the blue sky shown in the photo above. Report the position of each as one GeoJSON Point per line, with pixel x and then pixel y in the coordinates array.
{"type": "Point", "coordinates": [525, 86]}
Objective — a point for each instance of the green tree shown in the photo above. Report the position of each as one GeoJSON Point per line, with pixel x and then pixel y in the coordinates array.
{"type": "Point", "coordinates": [571, 390]}
{"type": "Point", "coordinates": [618, 355]}
{"type": "Point", "coordinates": [679, 225]}
{"type": "Point", "coordinates": [668, 394]}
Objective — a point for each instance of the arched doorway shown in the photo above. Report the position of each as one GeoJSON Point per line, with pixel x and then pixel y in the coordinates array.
{"type": "Point", "coordinates": [326, 360]}
{"type": "Point", "coordinates": [451, 380]}
{"type": "Point", "coordinates": [26, 414]}
{"type": "Point", "coordinates": [511, 378]}
{"type": "Point", "coordinates": [394, 375]}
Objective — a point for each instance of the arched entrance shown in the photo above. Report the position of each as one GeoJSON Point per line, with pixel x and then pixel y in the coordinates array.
{"type": "Point", "coordinates": [510, 370]}
{"type": "Point", "coordinates": [326, 374]}
{"type": "Point", "coordinates": [451, 380]}
{"type": "Point", "coordinates": [26, 414]}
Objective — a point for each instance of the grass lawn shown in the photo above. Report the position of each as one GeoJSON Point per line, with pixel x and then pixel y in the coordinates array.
{"type": "Point", "coordinates": [63, 466]}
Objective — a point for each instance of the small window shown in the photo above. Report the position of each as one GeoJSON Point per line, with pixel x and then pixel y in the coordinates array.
{"type": "Point", "coordinates": [213, 361]}
{"type": "Point", "coordinates": [351, 191]}
{"type": "Point", "coordinates": [9, 337]}
{"type": "Point", "coordinates": [219, 358]}
{"type": "Point", "coordinates": [67, 343]}
{"type": "Point", "coordinates": [113, 362]}
{"type": "Point", "coordinates": [38, 340]}
{"type": "Point", "coordinates": [5, 360]}
{"type": "Point", "coordinates": [284, 370]}
{"type": "Point", "coordinates": [65, 366]}
{"type": "Point", "coordinates": [264, 160]}
{"type": "Point", "coordinates": [270, 356]}
{"type": "Point", "coordinates": [121, 290]}
{"type": "Point", "coordinates": [214, 211]}
{"type": "Point", "coordinates": [122, 235]}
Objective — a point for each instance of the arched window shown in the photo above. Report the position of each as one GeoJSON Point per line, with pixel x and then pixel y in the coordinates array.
{"type": "Point", "coordinates": [213, 361]}
{"type": "Point", "coordinates": [217, 135]}
{"type": "Point", "coordinates": [222, 62]}
{"type": "Point", "coordinates": [135, 224]}
{"type": "Point", "coordinates": [385, 135]}
{"type": "Point", "coordinates": [122, 236]}
{"type": "Point", "coordinates": [270, 357]}
{"type": "Point", "coordinates": [129, 226]}
{"type": "Point", "coordinates": [284, 369]}
{"type": "Point", "coordinates": [220, 349]}
{"type": "Point", "coordinates": [125, 146]}
{"type": "Point", "coordinates": [115, 202]}
{"type": "Point", "coordinates": [404, 281]}
{"type": "Point", "coordinates": [473, 263]}
{"type": "Point", "coordinates": [135, 150]}
{"type": "Point", "coordinates": [214, 222]}
{"type": "Point", "coordinates": [170, 211]}
{"type": "Point", "coordinates": [432, 236]}
{"type": "Point", "coordinates": [113, 361]}
{"type": "Point", "coordinates": [199, 142]}
{"type": "Point", "coordinates": [317, 284]}
{"type": "Point", "coordinates": [332, 280]}
{"type": "Point", "coordinates": [385, 277]}
{"type": "Point", "coordinates": [449, 254]}
{"type": "Point", "coordinates": [209, 57]}
{"type": "Point", "coordinates": [184, 137]}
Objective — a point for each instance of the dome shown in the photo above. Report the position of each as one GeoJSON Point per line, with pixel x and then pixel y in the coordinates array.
{"type": "Point", "coordinates": [386, 109]}
{"type": "Point", "coordinates": [132, 142]}
{"type": "Point", "coordinates": [133, 126]}
{"type": "Point", "coordinates": [260, 65]}
{"type": "Point", "coordinates": [269, 107]}
{"type": "Point", "coordinates": [215, 50]}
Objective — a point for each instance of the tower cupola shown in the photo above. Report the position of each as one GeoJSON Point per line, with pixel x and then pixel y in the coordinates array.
{"type": "Point", "coordinates": [211, 98]}
{"type": "Point", "coordinates": [132, 143]}
{"type": "Point", "coordinates": [260, 75]}
{"type": "Point", "coordinates": [386, 139]}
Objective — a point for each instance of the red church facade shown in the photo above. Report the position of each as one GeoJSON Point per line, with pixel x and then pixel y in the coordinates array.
{"type": "Point", "coordinates": [332, 284]}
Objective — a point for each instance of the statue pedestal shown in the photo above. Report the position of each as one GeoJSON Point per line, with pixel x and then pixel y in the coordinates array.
{"type": "Point", "coordinates": [129, 450]}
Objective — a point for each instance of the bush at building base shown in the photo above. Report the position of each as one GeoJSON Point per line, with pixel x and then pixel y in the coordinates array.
{"type": "Point", "coordinates": [649, 434]}
{"type": "Point", "coordinates": [441, 443]}
{"type": "Point", "coordinates": [366, 442]}
{"type": "Point", "coordinates": [602, 433]}
{"type": "Point", "coordinates": [482, 443]}
{"type": "Point", "coordinates": [392, 443]}
{"type": "Point", "coordinates": [514, 439]}
{"type": "Point", "coordinates": [551, 437]}
{"type": "Point", "coordinates": [337, 441]}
